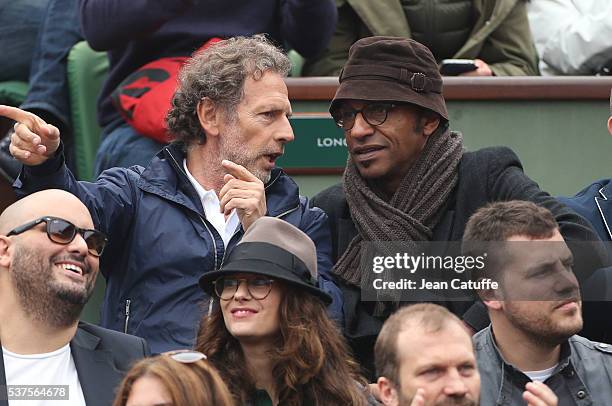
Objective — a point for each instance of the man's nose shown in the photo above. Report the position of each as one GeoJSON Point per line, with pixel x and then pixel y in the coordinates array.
{"type": "Point", "coordinates": [284, 133]}
{"type": "Point", "coordinates": [361, 128]}
{"type": "Point", "coordinates": [455, 386]}
{"type": "Point", "coordinates": [78, 245]}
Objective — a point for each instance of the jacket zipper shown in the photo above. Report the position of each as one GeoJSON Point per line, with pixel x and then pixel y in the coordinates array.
{"type": "Point", "coordinates": [212, 236]}
{"type": "Point", "coordinates": [127, 315]}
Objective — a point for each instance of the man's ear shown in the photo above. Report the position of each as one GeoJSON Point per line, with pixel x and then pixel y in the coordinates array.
{"type": "Point", "coordinates": [430, 123]}
{"type": "Point", "coordinates": [209, 115]}
{"type": "Point", "coordinates": [610, 125]}
{"type": "Point", "coordinates": [492, 304]}
{"type": "Point", "coordinates": [5, 257]}
{"type": "Point", "coordinates": [387, 392]}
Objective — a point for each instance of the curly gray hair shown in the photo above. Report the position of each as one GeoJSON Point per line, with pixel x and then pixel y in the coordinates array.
{"type": "Point", "coordinates": [218, 73]}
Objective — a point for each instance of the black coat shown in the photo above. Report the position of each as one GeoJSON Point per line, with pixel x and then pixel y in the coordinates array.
{"type": "Point", "coordinates": [101, 358]}
{"type": "Point", "coordinates": [487, 175]}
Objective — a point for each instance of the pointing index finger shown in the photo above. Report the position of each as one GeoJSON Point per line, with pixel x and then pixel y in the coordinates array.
{"type": "Point", "coordinates": [238, 171]}
{"type": "Point", "coordinates": [21, 116]}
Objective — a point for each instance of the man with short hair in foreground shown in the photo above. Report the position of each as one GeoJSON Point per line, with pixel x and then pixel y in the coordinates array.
{"type": "Point", "coordinates": [535, 313]}
{"type": "Point", "coordinates": [424, 356]}
{"type": "Point", "coordinates": [48, 266]}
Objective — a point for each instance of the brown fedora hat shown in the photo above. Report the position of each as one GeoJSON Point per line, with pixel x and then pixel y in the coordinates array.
{"type": "Point", "coordinates": [392, 69]}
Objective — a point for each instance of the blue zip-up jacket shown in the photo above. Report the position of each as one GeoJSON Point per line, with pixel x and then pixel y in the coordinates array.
{"type": "Point", "coordinates": [160, 242]}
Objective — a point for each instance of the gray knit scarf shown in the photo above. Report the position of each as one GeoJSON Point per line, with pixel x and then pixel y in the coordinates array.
{"type": "Point", "coordinates": [413, 211]}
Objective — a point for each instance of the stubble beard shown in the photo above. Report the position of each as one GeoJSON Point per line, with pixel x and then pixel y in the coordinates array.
{"type": "Point", "coordinates": [233, 149]}
{"type": "Point", "coordinates": [542, 329]}
{"type": "Point", "coordinates": [42, 296]}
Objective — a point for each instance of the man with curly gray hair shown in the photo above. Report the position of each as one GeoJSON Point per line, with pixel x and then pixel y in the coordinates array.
{"type": "Point", "coordinates": [178, 218]}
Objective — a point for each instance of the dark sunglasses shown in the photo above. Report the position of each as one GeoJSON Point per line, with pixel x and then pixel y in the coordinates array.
{"type": "Point", "coordinates": [226, 287]}
{"type": "Point", "coordinates": [373, 113]}
{"type": "Point", "coordinates": [63, 232]}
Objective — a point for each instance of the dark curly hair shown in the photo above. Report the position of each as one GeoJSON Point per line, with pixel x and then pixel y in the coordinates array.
{"type": "Point", "coordinates": [218, 73]}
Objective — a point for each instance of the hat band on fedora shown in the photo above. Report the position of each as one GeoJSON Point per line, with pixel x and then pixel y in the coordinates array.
{"type": "Point", "coordinates": [416, 80]}
{"type": "Point", "coordinates": [272, 254]}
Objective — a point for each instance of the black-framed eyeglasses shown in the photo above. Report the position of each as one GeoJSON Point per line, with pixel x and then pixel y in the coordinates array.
{"type": "Point", "coordinates": [62, 231]}
{"type": "Point", "coordinates": [185, 356]}
{"type": "Point", "coordinates": [226, 287]}
{"type": "Point", "coordinates": [373, 113]}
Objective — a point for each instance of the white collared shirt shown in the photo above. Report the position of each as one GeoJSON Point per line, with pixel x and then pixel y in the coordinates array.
{"type": "Point", "coordinates": [210, 201]}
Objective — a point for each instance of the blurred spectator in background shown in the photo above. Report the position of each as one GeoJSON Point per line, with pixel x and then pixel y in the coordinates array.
{"type": "Point", "coordinates": [48, 94]}
{"type": "Point", "coordinates": [19, 24]}
{"type": "Point", "coordinates": [594, 202]}
{"type": "Point", "coordinates": [179, 378]}
{"type": "Point", "coordinates": [494, 33]}
{"type": "Point", "coordinates": [572, 36]}
{"type": "Point", "coordinates": [268, 333]}
{"type": "Point", "coordinates": [138, 32]}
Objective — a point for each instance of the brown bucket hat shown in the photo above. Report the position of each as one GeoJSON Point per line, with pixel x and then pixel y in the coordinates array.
{"type": "Point", "coordinates": [392, 69]}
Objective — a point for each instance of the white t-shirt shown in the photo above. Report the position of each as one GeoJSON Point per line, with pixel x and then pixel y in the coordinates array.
{"type": "Point", "coordinates": [540, 376]}
{"type": "Point", "coordinates": [211, 204]}
{"type": "Point", "coordinates": [53, 368]}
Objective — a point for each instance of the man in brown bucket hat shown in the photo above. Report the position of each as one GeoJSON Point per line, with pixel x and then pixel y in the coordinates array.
{"type": "Point", "coordinates": [408, 177]}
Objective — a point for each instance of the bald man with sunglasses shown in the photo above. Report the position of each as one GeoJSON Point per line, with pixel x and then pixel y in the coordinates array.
{"type": "Point", "coordinates": [49, 261]}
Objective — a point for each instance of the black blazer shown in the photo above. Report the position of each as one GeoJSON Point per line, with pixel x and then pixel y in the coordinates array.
{"type": "Point", "coordinates": [594, 202]}
{"type": "Point", "coordinates": [101, 358]}
{"type": "Point", "coordinates": [487, 175]}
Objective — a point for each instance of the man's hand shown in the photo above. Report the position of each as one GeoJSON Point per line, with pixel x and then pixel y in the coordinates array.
{"type": "Point", "coordinates": [482, 69]}
{"type": "Point", "coordinates": [244, 192]}
{"type": "Point", "coordinates": [538, 394]}
{"type": "Point", "coordinates": [33, 141]}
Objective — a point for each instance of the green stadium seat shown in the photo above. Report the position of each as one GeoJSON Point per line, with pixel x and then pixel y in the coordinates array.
{"type": "Point", "coordinates": [87, 69]}
{"type": "Point", "coordinates": [13, 93]}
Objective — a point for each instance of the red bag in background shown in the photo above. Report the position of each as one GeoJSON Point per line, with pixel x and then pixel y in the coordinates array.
{"type": "Point", "coordinates": [144, 97]}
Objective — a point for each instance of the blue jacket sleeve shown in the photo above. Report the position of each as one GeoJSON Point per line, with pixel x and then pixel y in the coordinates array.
{"type": "Point", "coordinates": [314, 223]}
{"type": "Point", "coordinates": [111, 199]}
{"type": "Point", "coordinates": [108, 24]}
{"type": "Point", "coordinates": [308, 25]}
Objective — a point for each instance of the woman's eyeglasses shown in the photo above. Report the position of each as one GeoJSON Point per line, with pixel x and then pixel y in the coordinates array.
{"type": "Point", "coordinates": [226, 287]}
{"type": "Point", "coordinates": [62, 231]}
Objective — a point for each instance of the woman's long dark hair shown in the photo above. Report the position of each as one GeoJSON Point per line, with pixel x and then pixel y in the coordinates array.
{"type": "Point", "coordinates": [311, 361]}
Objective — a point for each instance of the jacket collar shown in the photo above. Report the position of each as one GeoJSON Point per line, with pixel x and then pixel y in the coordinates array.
{"type": "Point", "coordinates": [166, 178]}
{"type": "Point", "coordinates": [604, 205]}
{"type": "Point", "coordinates": [95, 368]}
{"type": "Point", "coordinates": [487, 23]}
{"type": "Point", "coordinates": [509, 372]}
{"type": "Point", "coordinates": [3, 392]}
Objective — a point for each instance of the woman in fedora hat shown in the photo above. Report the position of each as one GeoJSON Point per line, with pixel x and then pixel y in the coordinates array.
{"type": "Point", "coordinates": [270, 336]}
